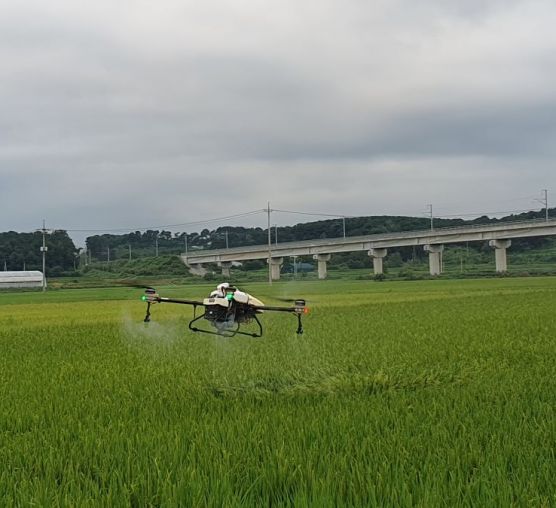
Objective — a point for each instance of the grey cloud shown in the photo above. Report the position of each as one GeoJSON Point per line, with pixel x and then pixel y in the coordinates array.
{"type": "Point", "coordinates": [319, 104]}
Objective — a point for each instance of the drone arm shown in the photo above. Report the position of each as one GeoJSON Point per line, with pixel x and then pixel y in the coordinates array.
{"type": "Point", "coordinates": [161, 299]}
{"type": "Point", "coordinates": [277, 309]}
{"type": "Point", "coordinates": [151, 298]}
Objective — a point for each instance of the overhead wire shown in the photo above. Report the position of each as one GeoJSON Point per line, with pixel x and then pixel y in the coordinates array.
{"type": "Point", "coordinates": [145, 228]}
{"type": "Point", "coordinates": [480, 214]}
{"type": "Point", "coordinates": [314, 214]}
{"type": "Point", "coordinates": [265, 210]}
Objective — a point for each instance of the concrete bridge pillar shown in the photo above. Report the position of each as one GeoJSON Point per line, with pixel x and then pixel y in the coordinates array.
{"type": "Point", "coordinates": [322, 259]}
{"type": "Point", "coordinates": [500, 247]}
{"type": "Point", "coordinates": [275, 265]}
{"type": "Point", "coordinates": [225, 265]}
{"type": "Point", "coordinates": [378, 256]}
{"type": "Point", "coordinates": [435, 258]}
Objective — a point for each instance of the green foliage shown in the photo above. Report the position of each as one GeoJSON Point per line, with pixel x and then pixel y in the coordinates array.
{"type": "Point", "coordinates": [23, 249]}
{"type": "Point", "coordinates": [255, 264]}
{"type": "Point", "coordinates": [394, 259]}
{"type": "Point", "coordinates": [435, 393]}
{"type": "Point", "coordinates": [162, 265]}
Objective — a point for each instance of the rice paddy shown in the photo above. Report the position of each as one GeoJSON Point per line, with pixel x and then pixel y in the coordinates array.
{"type": "Point", "coordinates": [428, 393]}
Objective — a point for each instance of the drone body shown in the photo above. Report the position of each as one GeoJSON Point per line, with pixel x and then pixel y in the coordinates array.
{"type": "Point", "coordinates": [227, 314]}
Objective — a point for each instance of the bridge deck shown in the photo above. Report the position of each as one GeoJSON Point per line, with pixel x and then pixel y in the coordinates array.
{"type": "Point", "coordinates": [483, 232]}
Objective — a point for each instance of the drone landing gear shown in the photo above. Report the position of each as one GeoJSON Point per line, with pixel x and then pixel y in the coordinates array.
{"type": "Point", "coordinates": [148, 315]}
{"type": "Point", "coordinates": [230, 332]}
{"type": "Point", "coordinates": [299, 330]}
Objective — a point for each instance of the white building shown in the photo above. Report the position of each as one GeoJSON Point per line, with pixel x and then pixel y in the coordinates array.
{"type": "Point", "coordinates": [28, 279]}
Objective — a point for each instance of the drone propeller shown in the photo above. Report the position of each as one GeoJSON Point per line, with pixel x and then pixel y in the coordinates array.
{"type": "Point", "coordinates": [146, 288]}
{"type": "Point", "coordinates": [133, 285]}
{"type": "Point", "coordinates": [293, 300]}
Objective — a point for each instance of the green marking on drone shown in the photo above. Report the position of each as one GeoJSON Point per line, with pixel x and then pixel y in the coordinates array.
{"type": "Point", "coordinates": [230, 296]}
{"type": "Point", "coordinates": [144, 298]}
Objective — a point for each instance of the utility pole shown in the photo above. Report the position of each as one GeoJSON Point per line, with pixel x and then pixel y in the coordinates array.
{"type": "Point", "coordinates": [431, 216]}
{"type": "Point", "coordinates": [185, 238]}
{"type": "Point", "coordinates": [108, 254]}
{"type": "Point", "coordinates": [276, 234]}
{"type": "Point", "coordinates": [156, 244]}
{"type": "Point", "coordinates": [269, 246]}
{"type": "Point", "coordinates": [544, 201]}
{"type": "Point", "coordinates": [344, 225]}
{"type": "Point", "coordinates": [129, 247]}
{"type": "Point", "coordinates": [44, 248]}
{"type": "Point", "coordinates": [226, 234]}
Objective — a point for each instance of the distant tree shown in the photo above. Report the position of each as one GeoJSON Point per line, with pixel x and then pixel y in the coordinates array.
{"type": "Point", "coordinates": [18, 249]}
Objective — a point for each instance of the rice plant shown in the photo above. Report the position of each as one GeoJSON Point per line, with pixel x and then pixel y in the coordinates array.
{"type": "Point", "coordinates": [429, 393]}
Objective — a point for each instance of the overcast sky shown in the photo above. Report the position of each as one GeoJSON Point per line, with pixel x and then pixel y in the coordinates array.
{"type": "Point", "coordinates": [141, 113]}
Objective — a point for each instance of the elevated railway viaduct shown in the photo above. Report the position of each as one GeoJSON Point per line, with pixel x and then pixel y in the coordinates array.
{"type": "Point", "coordinates": [498, 235]}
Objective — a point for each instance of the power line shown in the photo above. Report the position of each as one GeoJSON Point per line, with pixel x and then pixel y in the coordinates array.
{"type": "Point", "coordinates": [544, 202]}
{"type": "Point", "coordinates": [343, 217]}
{"type": "Point", "coordinates": [145, 228]}
{"type": "Point", "coordinates": [479, 214]}
{"type": "Point", "coordinates": [429, 207]}
{"type": "Point", "coordinates": [315, 214]}
{"type": "Point", "coordinates": [266, 211]}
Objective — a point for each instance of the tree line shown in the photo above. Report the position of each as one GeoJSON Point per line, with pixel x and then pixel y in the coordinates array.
{"type": "Point", "coordinates": [22, 250]}
{"type": "Point", "coordinates": [19, 251]}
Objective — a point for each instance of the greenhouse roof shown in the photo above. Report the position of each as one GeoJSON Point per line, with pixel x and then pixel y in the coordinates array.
{"type": "Point", "coordinates": [22, 276]}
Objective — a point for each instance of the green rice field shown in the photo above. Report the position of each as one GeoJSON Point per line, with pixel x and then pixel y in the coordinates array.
{"type": "Point", "coordinates": [425, 393]}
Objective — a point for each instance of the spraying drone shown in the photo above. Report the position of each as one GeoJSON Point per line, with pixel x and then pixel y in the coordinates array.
{"type": "Point", "coordinates": [227, 314]}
